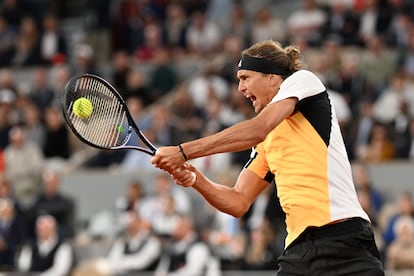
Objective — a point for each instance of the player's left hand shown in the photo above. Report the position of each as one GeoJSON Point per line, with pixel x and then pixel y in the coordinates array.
{"type": "Point", "coordinates": [185, 176]}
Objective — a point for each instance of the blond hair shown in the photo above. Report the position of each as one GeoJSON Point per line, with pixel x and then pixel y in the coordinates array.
{"type": "Point", "coordinates": [288, 57]}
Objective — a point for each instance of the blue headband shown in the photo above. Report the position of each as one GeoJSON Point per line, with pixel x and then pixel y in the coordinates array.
{"type": "Point", "coordinates": [263, 66]}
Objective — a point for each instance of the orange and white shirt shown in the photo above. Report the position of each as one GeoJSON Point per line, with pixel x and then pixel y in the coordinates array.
{"type": "Point", "coordinates": [307, 156]}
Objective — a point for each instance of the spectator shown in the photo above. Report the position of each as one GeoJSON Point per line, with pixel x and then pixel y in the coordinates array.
{"type": "Point", "coordinates": [7, 193]}
{"type": "Point", "coordinates": [215, 122]}
{"type": "Point", "coordinates": [154, 204]}
{"type": "Point", "coordinates": [375, 20]}
{"type": "Point", "coordinates": [133, 200]}
{"type": "Point", "coordinates": [137, 250]}
{"type": "Point", "coordinates": [152, 44]}
{"type": "Point", "coordinates": [400, 29]}
{"type": "Point", "coordinates": [405, 57]}
{"type": "Point", "coordinates": [162, 78]}
{"type": "Point", "coordinates": [35, 129]}
{"type": "Point", "coordinates": [266, 209]}
{"type": "Point", "coordinates": [7, 37]}
{"type": "Point", "coordinates": [397, 95]}
{"type": "Point", "coordinates": [24, 163]}
{"type": "Point", "coordinates": [332, 59]}
{"type": "Point", "coordinates": [52, 43]}
{"type": "Point", "coordinates": [232, 46]}
{"type": "Point", "coordinates": [166, 218]}
{"type": "Point", "coordinates": [54, 202]}
{"type": "Point", "coordinates": [377, 64]}
{"type": "Point", "coordinates": [203, 36]}
{"type": "Point", "coordinates": [188, 255]}
{"type": "Point", "coordinates": [41, 92]}
{"type": "Point", "coordinates": [239, 25]}
{"type": "Point", "coordinates": [226, 239]}
{"type": "Point", "coordinates": [342, 24]}
{"type": "Point", "coordinates": [380, 146]}
{"type": "Point", "coordinates": [265, 26]}
{"type": "Point", "coordinates": [160, 124]}
{"type": "Point", "coordinates": [121, 67]}
{"type": "Point", "coordinates": [48, 254]}
{"type": "Point", "coordinates": [11, 234]}
{"type": "Point", "coordinates": [127, 26]}
{"type": "Point", "coordinates": [261, 250]}
{"type": "Point", "coordinates": [404, 207]}
{"type": "Point", "coordinates": [208, 83]}
{"type": "Point", "coordinates": [84, 59]}
{"type": "Point", "coordinates": [59, 76]}
{"type": "Point", "coordinates": [306, 23]}
{"type": "Point", "coordinates": [187, 118]}
{"type": "Point", "coordinates": [137, 86]}
{"type": "Point", "coordinates": [364, 183]}
{"type": "Point", "coordinates": [56, 135]}
{"type": "Point", "coordinates": [26, 51]}
{"type": "Point", "coordinates": [351, 83]}
{"type": "Point", "coordinates": [5, 125]}
{"type": "Point", "coordinates": [11, 10]}
{"type": "Point", "coordinates": [400, 253]}
{"type": "Point", "coordinates": [364, 125]}
{"type": "Point", "coordinates": [175, 28]}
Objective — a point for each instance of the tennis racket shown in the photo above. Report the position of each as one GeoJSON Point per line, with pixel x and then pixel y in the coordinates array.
{"type": "Point", "coordinates": [108, 124]}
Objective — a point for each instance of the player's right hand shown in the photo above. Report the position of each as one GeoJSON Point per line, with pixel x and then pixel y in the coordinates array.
{"type": "Point", "coordinates": [168, 159]}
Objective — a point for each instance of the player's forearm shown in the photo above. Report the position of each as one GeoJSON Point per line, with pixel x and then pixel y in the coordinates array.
{"type": "Point", "coordinates": [243, 135]}
{"type": "Point", "coordinates": [221, 197]}
{"type": "Point", "coordinates": [239, 137]}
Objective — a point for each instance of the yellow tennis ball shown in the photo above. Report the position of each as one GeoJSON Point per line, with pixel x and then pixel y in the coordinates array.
{"type": "Point", "coordinates": [82, 108]}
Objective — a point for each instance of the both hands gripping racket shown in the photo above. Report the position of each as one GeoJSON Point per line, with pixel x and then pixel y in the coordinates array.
{"type": "Point", "coordinates": [107, 124]}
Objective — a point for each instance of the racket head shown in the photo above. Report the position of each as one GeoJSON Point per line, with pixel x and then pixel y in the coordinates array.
{"type": "Point", "coordinates": [110, 125]}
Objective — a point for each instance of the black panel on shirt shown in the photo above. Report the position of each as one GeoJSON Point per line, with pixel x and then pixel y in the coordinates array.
{"type": "Point", "coordinates": [317, 110]}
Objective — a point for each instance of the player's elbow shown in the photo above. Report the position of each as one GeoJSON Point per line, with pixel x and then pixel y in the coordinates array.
{"type": "Point", "coordinates": [238, 214]}
{"type": "Point", "coordinates": [240, 210]}
{"type": "Point", "coordinates": [256, 135]}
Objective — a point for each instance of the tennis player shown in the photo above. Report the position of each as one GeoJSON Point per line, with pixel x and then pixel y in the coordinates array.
{"type": "Point", "coordinates": [297, 141]}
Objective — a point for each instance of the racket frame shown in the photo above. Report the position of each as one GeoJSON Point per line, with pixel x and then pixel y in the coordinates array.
{"type": "Point", "coordinates": [151, 150]}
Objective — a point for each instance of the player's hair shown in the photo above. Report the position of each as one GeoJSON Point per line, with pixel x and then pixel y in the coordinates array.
{"type": "Point", "coordinates": [288, 57]}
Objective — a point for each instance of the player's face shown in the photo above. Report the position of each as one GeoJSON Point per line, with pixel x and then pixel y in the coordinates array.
{"type": "Point", "coordinates": [259, 88]}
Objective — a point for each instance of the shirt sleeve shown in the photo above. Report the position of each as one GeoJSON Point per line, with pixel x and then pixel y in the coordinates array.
{"type": "Point", "coordinates": [258, 163]}
{"type": "Point", "coordinates": [301, 84]}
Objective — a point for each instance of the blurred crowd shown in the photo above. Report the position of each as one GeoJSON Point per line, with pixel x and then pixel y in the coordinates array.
{"type": "Point", "coordinates": [175, 63]}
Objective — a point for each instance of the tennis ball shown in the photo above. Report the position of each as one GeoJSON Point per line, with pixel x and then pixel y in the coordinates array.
{"type": "Point", "coordinates": [82, 108]}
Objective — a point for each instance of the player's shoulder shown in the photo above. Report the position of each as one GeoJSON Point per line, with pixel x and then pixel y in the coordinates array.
{"type": "Point", "coordinates": [303, 79]}
{"type": "Point", "coordinates": [303, 74]}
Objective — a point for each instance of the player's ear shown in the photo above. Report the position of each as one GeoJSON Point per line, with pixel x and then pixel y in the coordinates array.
{"type": "Point", "coordinates": [275, 79]}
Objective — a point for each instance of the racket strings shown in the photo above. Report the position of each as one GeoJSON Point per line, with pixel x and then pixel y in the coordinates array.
{"type": "Point", "coordinates": [107, 126]}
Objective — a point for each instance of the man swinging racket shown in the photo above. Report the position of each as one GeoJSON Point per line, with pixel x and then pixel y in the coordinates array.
{"type": "Point", "coordinates": [297, 141]}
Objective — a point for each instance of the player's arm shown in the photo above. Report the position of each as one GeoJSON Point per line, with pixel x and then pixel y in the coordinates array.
{"type": "Point", "coordinates": [234, 200]}
{"type": "Point", "coordinates": [238, 137]}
